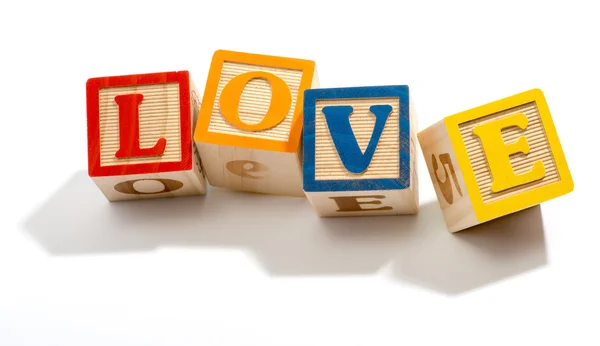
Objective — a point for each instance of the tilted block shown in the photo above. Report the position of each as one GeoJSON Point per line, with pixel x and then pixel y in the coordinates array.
{"type": "Point", "coordinates": [250, 122]}
{"type": "Point", "coordinates": [140, 136]}
{"type": "Point", "coordinates": [359, 151]}
{"type": "Point", "coordinates": [495, 159]}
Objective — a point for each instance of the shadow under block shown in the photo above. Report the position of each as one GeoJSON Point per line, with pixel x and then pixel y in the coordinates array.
{"type": "Point", "coordinates": [495, 159]}
{"type": "Point", "coordinates": [359, 151]}
{"type": "Point", "coordinates": [140, 136]}
{"type": "Point", "coordinates": [250, 123]}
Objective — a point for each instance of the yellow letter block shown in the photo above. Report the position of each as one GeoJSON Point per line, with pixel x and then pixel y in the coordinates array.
{"type": "Point", "coordinates": [250, 123]}
{"type": "Point", "coordinates": [495, 159]}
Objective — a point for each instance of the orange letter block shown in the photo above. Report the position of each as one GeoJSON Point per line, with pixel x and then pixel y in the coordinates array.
{"type": "Point", "coordinates": [140, 136]}
{"type": "Point", "coordinates": [250, 122]}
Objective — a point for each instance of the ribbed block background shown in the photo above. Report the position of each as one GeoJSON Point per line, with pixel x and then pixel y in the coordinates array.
{"type": "Point", "coordinates": [386, 161]}
{"type": "Point", "coordinates": [255, 101]}
{"type": "Point", "coordinates": [159, 118]}
{"type": "Point", "coordinates": [539, 150]}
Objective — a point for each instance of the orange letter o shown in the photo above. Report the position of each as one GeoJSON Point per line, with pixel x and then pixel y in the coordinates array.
{"type": "Point", "coordinates": [281, 101]}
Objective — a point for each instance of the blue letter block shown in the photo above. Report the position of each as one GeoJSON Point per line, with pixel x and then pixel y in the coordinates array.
{"type": "Point", "coordinates": [359, 151]}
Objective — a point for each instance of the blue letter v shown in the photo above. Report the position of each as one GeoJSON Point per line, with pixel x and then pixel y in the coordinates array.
{"type": "Point", "coordinates": [338, 120]}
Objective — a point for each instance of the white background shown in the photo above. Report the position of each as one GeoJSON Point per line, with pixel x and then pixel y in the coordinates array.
{"type": "Point", "coordinates": [238, 269]}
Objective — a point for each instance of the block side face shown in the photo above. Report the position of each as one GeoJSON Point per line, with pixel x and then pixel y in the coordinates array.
{"type": "Point", "coordinates": [150, 186]}
{"type": "Point", "coordinates": [162, 109]}
{"type": "Point", "coordinates": [93, 125]}
{"type": "Point", "coordinates": [308, 141]}
{"type": "Point", "coordinates": [521, 163]}
{"type": "Point", "coordinates": [159, 117]}
{"type": "Point", "coordinates": [195, 104]}
{"type": "Point", "coordinates": [315, 81]}
{"type": "Point", "coordinates": [385, 163]}
{"type": "Point", "coordinates": [447, 177]}
{"type": "Point", "coordinates": [252, 170]}
{"type": "Point", "coordinates": [414, 176]}
{"type": "Point", "coordinates": [254, 101]}
{"type": "Point", "coordinates": [363, 203]}
{"type": "Point", "coordinates": [198, 170]}
{"type": "Point", "coordinates": [357, 139]}
{"type": "Point", "coordinates": [516, 161]}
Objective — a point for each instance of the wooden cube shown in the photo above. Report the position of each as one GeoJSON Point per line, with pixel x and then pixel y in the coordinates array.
{"type": "Point", "coordinates": [359, 151]}
{"type": "Point", "coordinates": [250, 122]}
{"type": "Point", "coordinates": [495, 159]}
{"type": "Point", "coordinates": [140, 136]}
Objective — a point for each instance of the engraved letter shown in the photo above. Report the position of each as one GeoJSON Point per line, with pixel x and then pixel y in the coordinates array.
{"type": "Point", "coordinates": [338, 121]}
{"type": "Point", "coordinates": [498, 153]}
{"type": "Point", "coordinates": [351, 203]}
{"type": "Point", "coordinates": [446, 185]}
{"type": "Point", "coordinates": [281, 101]}
{"type": "Point", "coordinates": [169, 185]}
{"type": "Point", "coordinates": [129, 129]}
{"type": "Point", "coordinates": [244, 168]}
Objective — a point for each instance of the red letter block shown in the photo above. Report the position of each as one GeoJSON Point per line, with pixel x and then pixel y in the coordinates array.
{"type": "Point", "coordinates": [140, 136]}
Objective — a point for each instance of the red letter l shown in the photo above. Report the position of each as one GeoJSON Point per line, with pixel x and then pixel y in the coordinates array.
{"type": "Point", "coordinates": [129, 129]}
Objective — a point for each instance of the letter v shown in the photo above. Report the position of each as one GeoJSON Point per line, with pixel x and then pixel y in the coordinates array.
{"type": "Point", "coordinates": [338, 121]}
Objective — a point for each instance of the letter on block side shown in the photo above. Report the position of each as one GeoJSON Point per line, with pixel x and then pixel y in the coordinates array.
{"type": "Point", "coordinates": [250, 122]}
{"type": "Point", "coordinates": [359, 151]}
{"type": "Point", "coordinates": [140, 131]}
{"type": "Point", "coordinates": [495, 159]}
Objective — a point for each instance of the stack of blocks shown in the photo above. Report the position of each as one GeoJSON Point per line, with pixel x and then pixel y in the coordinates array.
{"type": "Point", "coordinates": [264, 126]}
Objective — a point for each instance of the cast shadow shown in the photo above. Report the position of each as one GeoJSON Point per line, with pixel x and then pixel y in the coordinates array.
{"type": "Point", "coordinates": [456, 263]}
{"type": "Point", "coordinates": [284, 234]}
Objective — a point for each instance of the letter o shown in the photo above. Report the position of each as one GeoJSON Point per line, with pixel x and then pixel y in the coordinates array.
{"type": "Point", "coordinates": [169, 185]}
{"type": "Point", "coordinates": [281, 101]}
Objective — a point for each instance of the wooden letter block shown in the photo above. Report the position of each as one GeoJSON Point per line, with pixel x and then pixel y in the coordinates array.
{"type": "Point", "coordinates": [250, 122]}
{"type": "Point", "coordinates": [495, 160]}
{"type": "Point", "coordinates": [140, 136]}
{"type": "Point", "coordinates": [359, 151]}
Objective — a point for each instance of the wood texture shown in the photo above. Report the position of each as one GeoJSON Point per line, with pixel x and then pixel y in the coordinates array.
{"type": "Point", "coordinates": [539, 150]}
{"type": "Point", "coordinates": [385, 162]}
{"type": "Point", "coordinates": [168, 110]}
{"type": "Point", "coordinates": [370, 203]}
{"type": "Point", "coordinates": [253, 170]}
{"type": "Point", "coordinates": [414, 171]}
{"type": "Point", "coordinates": [384, 187]}
{"type": "Point", "coordinates": [453, 198]}
{"type": "Point", "coordinates": [159, 118]}
{"type": "Point", "coordinates": [148, 185]}
{"type": "Point", "coordinates": [521, 165]}
{"type": "Point", "coordinates": [255, 101]}
{"type": "Point", "coordinates": [248, 155]}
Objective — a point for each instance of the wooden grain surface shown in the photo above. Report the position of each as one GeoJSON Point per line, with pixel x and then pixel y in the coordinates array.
{"type": "Point", "coordinates": [454, 200]}
{"type": "Point", "coordinates": [159, 115]}
{"type": "Point", "coordinates": [385, 162]}
{"type": "Point", "coordinates": [539, 150]}
{"type": "Point", "coordinates": [255, 101]}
